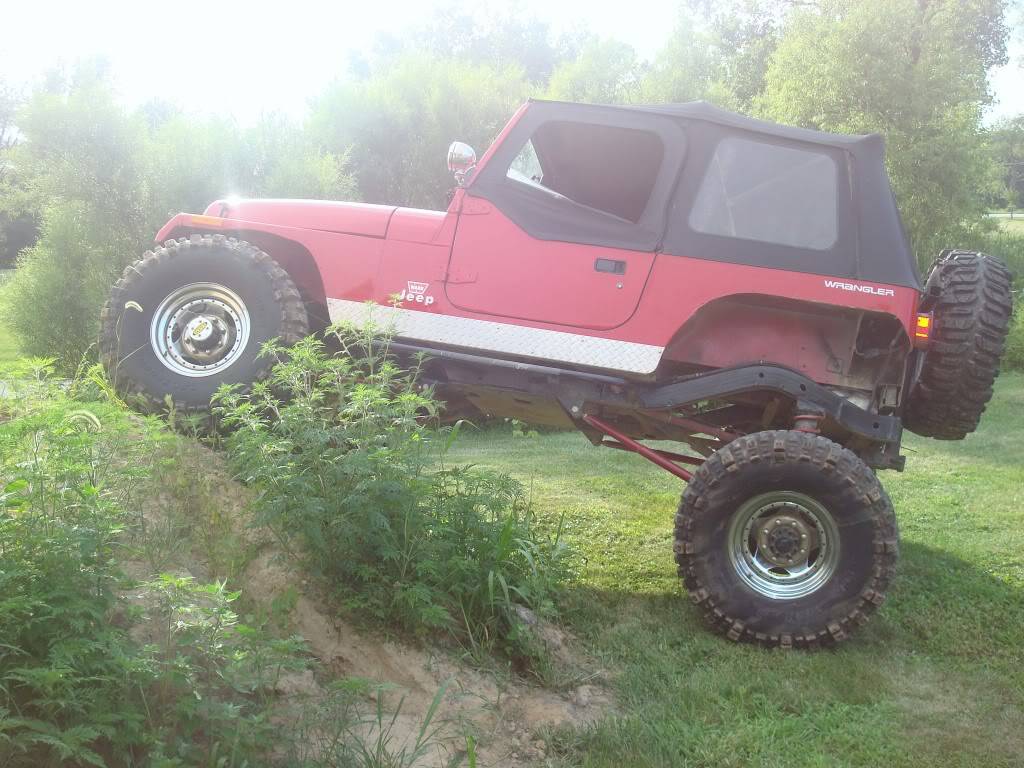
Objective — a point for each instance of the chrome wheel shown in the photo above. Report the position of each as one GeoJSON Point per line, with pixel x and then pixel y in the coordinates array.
{"type": "Point", "coordinates": [200, 329]}
{"type": "Point", "coordinates": [783, 544]}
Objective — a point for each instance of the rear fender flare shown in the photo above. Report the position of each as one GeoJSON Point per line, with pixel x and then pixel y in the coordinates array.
{"type": "Point", "coordinates": [817, 339]}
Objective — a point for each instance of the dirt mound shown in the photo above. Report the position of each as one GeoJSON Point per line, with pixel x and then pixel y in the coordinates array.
{"type": "Point", "coordinates": [505, 717]}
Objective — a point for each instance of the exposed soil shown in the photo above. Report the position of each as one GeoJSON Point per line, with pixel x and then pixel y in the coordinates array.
{"type": "Point", "coordinates": [506, 717]}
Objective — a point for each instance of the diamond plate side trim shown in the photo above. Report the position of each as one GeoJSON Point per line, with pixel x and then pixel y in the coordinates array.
{"type": "Point", "coordinates": [502, 338]}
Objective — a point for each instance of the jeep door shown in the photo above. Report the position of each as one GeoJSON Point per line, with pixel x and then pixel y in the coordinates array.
{"type": "Point", "coordinates": [562, 223]}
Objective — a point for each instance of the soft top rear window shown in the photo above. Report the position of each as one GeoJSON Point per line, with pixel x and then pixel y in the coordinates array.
{"type": "Point", "coordinates": [756, 190]}
{"type": "Point", "coordinates": [607, 168]}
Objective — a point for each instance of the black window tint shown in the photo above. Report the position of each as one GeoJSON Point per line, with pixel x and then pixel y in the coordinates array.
{"type": "Point", "coordinates": [607, 168]}
{"type": "Point", "coordinates": [754, 190]}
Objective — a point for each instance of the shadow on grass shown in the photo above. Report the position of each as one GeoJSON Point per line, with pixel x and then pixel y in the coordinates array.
{"type": "Point", "coordinates": [939, 604]}
{"type": "Point", "coordinates": [943, 604]}
{"type": "Point", "coordinates": [934, 679]}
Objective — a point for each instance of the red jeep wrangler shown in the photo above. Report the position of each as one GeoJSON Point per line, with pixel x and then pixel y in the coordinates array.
{"type": "Point", "coordinates": [668, 273]}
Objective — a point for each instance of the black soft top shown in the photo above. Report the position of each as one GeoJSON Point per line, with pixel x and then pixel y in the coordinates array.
{"type": "Point", "coordinates": [702, 110]}
{"type": "Point", "coordinates": [869, 244]}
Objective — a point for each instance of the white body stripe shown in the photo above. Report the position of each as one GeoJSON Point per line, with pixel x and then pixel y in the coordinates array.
{"type": "Point", "coordinates": [487, 336]}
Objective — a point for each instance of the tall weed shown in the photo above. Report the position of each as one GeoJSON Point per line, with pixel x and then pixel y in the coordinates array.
{"type": "Point", "coordinates": [350, 474]}
{"type": "Point", "coordinates": [88, 677]}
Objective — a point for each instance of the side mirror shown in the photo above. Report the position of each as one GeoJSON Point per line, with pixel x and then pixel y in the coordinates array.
{"type": "Point", "coordinates": [461, 161]}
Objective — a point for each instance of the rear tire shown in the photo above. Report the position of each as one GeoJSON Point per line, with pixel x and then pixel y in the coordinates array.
{"type": "Point", "coordinates": [785, 538]}
{"type": "Point", "coordinates": [192, 315]}
{"type": "Point", "coordinates": [969, 295]}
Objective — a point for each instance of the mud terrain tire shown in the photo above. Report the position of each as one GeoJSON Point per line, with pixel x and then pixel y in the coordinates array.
{"type": "Point", "coordinates": [795, 471]}
{"type": "Point", "coordinates": [969, 295]}
{"type": "Point", "coordinates": [160, 296]}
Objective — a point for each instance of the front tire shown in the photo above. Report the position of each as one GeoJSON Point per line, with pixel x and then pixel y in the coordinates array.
{"type": "Point", "coordinates": [785, 538]}
{"type": "Point", "coordinates": [192, 315]}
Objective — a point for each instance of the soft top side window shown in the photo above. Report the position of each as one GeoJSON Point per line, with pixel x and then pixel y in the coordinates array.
{"type": "Point", "coordinates": [607, 168]}
{"type": "Point", "coordinates": [757, 190]}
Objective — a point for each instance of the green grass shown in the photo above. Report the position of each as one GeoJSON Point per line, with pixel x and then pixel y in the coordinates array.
{"type": "Point", "coordinates": [8, 346]}
{"type": "Point", "coordinates": [935, 679]}
{"type": "Point", "coordinates": [1014, 225]}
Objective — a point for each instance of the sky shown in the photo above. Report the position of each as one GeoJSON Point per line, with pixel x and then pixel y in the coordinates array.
{"type": "Point", "coordinates": [260, 56]}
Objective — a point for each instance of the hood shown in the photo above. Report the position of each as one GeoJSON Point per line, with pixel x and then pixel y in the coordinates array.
{"type": "Point", "coordinates": [349, 218]}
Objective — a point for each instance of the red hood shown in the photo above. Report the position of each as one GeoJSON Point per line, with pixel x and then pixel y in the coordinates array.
{"type": "Point", "coordinates": [350, 218]}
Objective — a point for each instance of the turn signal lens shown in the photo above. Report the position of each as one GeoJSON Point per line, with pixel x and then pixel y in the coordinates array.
{"type": "Point", "coordinates": [923, 330]}
{"type": "Point", "coordinates": [208, 221]}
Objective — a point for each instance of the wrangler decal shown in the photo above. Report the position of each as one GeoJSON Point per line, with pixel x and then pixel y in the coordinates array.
{"type": "Point", "coordinates": [859, 288]}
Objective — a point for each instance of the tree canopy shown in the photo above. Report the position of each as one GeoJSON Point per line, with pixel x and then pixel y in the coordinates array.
{"type": "Point", "coordinates": [912, 70]}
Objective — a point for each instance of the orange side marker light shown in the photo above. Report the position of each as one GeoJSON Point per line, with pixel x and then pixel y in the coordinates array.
{"type": "Point", "coordinates": [923, 330]}
{"type": "Point", "coordinates": [208, 221]}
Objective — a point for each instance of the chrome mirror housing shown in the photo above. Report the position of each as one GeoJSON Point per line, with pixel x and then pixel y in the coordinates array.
{"type": "Point", "coordinates": [461, 161]}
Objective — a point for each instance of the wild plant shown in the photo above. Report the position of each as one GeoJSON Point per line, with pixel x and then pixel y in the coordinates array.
{"type": "Point", "coordinates": [346, 458]}
{"type": "Point", "coordinates": [85, 679]}
{"type": "Point", "coordinates": [337, 731]}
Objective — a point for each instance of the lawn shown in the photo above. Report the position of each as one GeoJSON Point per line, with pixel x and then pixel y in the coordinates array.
{"type": "Point", "coordinates": [1015, 225]}
{"type": "Point", "coordinates": [935, 679]}
{"type": "Point", "coordinates": [8, 347]}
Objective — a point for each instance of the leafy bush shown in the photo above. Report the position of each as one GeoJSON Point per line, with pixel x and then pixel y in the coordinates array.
{"type": "Point", "coordinates": [349, 471]}
{"type": "Point", "coordinates": [51, 302]}
{"type": "Point", "coordinates": [1013, 358]}
{"type": "Point", "coordinates": [208, 680]}
{"type": "Point", "coordinates": [103, 179]}
{"type": "Point", "coordinates": [396, 125]}
{"type": "Point", "coordinates": [1009, 246]}
{"type": "Point", "coordinates": [62, 506]}
{"type": "Point", "coordinates": [79, 684]}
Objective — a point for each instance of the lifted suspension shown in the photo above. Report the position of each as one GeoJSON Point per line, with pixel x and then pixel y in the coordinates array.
{"type": "Point", "coordinates": [667, 460]}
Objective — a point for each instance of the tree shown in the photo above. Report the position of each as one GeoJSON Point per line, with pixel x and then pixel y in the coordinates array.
{"type": "Point", "coordinates": [604, 72]}
{"type": "Point", "coordinates": [194, 160]}
{"type": "Point", "coordinates": [496, 36]}
{"type": "Point", "coordinates": [82, 161]}
{"type": "Point", "coordinates": [17, 232]}
{"type": "Point", "coordinates": [286, 162]}
{"type": "Point", "coordinates": [1006, 147]}
{"type": "Point", "coordinates": [687, 68]}
{"type": "Point", "coordinates": [718, 51]}
{"type": "Point", "coordinates": [105, 179]}
{"type": "Point", "coordinates": [912, 70]}
{"type": "Point", "coordinates": [746, 34]}
{"type": "Point", "coordinates": [395, 125]}
{"type": "Point", "coordinates": [9, 103]}
{"type": "Point", "coordinates": [17, 222]}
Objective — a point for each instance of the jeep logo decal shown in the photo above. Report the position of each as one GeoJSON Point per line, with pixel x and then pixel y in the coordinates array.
{"type": "Point", "coordinates": [416, 292]}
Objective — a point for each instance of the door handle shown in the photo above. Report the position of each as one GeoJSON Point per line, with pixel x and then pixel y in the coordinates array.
{"type": "Point", "coordinates": [612, 266]}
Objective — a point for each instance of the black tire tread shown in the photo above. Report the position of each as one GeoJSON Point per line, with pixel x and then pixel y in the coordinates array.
{"type": "Point", "coordinates": [972, 306]}
{"type": "Point", "coordinates": [294, 321]}
{"type": "Point", "coordinates": [780, 447]}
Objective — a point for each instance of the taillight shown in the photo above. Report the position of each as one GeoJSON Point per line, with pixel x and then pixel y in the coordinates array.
{"type": "Point", "coordinates": [923, 330]}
